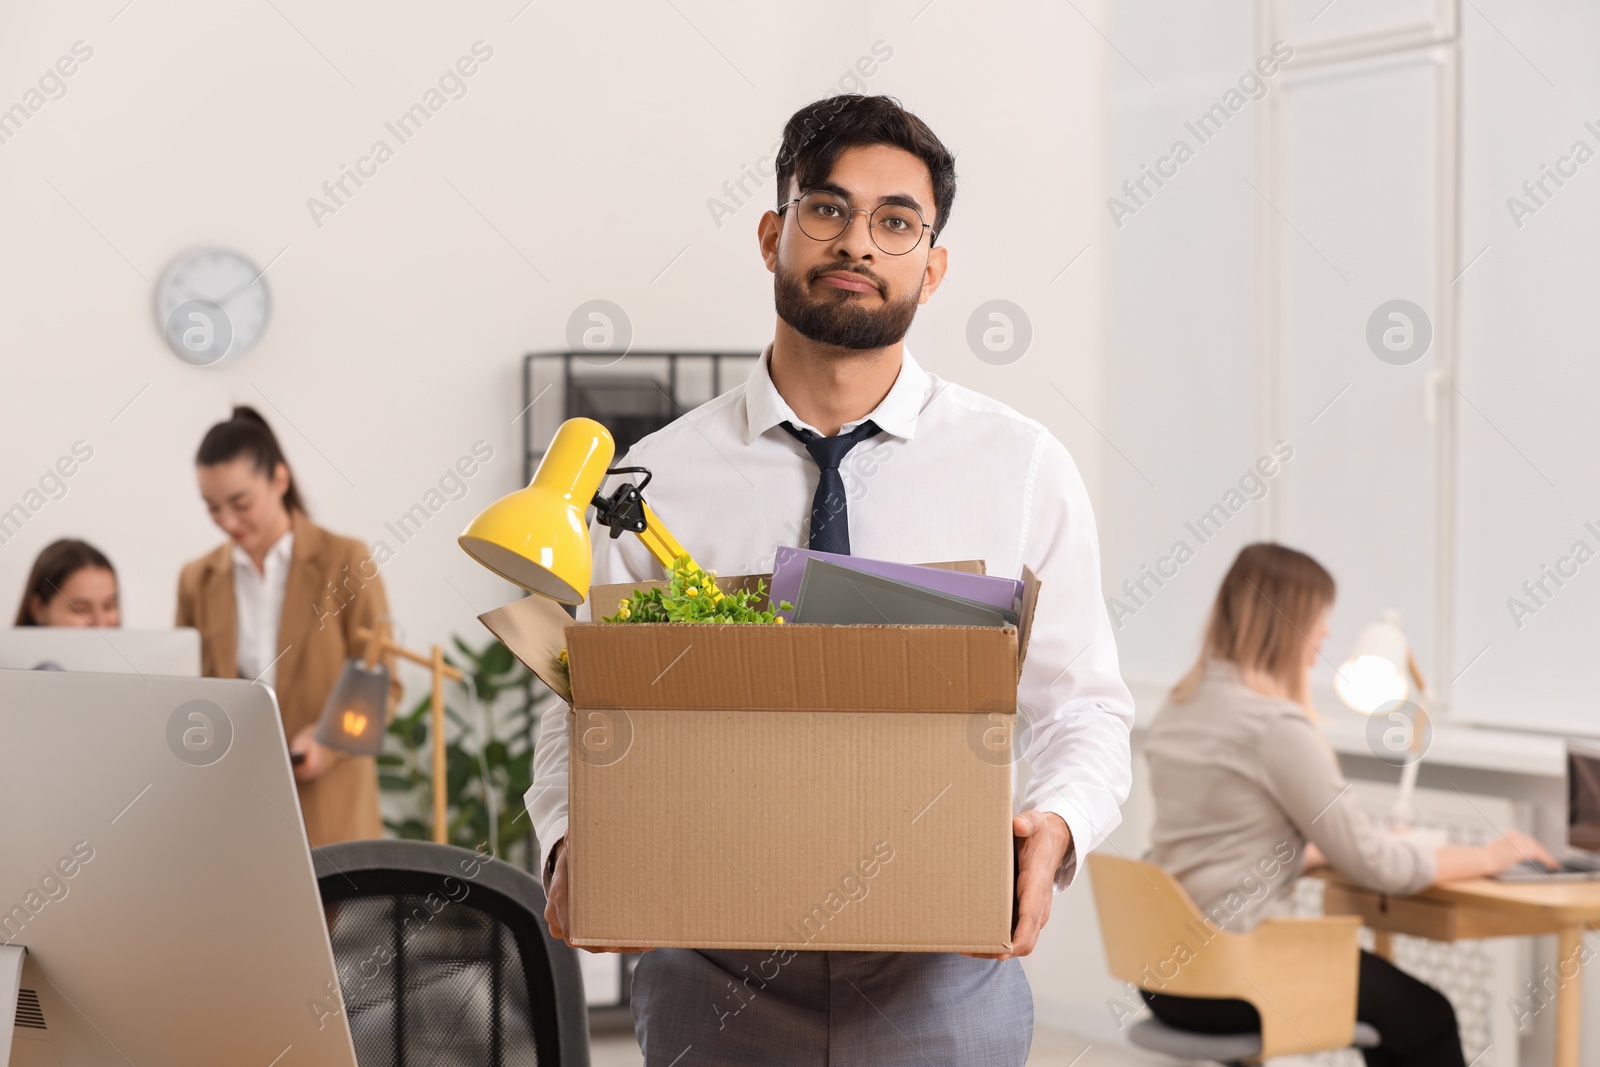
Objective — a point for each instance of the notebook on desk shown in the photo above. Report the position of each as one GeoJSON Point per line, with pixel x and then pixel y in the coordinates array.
{"type": "Point", "coordinates": [1578, 855]}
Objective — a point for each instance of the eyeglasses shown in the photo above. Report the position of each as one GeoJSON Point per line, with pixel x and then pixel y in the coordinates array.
{"type": "Point", "coordinates": [894, 228]}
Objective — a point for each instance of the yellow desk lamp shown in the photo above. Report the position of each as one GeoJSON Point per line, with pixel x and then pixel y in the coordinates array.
{"type": "Point", "coordinates": [1378, 677]}
{"type": "Point", "coordinates": [538, 538]}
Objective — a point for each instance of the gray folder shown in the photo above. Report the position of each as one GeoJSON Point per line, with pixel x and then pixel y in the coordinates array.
{"type": "Point", "coordinates": [830, 593]}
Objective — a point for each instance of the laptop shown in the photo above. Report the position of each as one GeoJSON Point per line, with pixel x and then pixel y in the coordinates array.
{"type": "Point", "coordinates": [104, 649]}
{"type": "Point", "coordinates": [1579, 856]}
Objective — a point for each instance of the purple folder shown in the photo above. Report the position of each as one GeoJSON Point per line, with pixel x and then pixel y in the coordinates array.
{"type": "Point", "coordinates": [790, 565]}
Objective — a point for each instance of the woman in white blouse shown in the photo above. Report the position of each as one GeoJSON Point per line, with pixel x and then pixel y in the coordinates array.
{"type": "Point", "coordinates": [1245, 783]}
{"type": "Point", "coordinates": [281, 603]}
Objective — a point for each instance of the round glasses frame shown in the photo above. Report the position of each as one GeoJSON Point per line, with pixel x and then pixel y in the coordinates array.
{"type": "Point", "coordinates": [872, 230]}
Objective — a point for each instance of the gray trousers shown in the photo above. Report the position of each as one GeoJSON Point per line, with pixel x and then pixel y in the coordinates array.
{"type": "Point", "coordinates": [696, 1007]}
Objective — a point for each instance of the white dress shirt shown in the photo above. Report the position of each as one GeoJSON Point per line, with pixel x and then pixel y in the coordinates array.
{"type": "Point", "coordinates": [954, 475]}
{"type": "Point", "coordinates": [258, 605]}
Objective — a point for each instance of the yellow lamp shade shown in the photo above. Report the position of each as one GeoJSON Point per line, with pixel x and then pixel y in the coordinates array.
{"type": "Point", "coordinates": [537, 537]}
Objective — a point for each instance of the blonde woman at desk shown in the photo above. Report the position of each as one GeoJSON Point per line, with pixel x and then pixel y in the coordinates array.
{"type": "Point", "coordinates": [281, 603]}
{"type": "Point", "coordinates": [1244, 782]}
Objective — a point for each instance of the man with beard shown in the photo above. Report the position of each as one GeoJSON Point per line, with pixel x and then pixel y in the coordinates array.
{"type": "Point", "coordinates": [840, 440]}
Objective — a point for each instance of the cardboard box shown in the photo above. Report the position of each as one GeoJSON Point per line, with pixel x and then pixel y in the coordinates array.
{"type": "Point", "coordinates": [795, 786]}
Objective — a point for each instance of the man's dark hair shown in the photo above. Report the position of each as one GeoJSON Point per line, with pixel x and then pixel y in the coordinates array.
{"type": "Point", "coordinates": [816, 134]}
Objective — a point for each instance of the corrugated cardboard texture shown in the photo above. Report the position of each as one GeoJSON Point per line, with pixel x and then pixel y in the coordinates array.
{"type": "Point", "coordinates": [839, 668]}
{"type": "Point", "coordinates": [813, 830]}
{"type": "Point", "coordinates": [799, 786]}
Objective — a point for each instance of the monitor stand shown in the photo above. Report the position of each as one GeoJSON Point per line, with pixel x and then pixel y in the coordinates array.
{"type": "Point", "coordinates": [11, 957]}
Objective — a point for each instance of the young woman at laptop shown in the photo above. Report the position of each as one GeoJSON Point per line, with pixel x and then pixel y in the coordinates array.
{"type": "Point", "coordinates": [1241, 774]}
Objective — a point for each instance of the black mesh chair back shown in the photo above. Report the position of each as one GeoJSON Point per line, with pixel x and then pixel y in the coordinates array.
{"type": "Point", "coordinates": [444, 959]}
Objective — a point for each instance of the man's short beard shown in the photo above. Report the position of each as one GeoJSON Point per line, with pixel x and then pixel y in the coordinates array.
{"type": "Point", "coordinates": [838, 319]}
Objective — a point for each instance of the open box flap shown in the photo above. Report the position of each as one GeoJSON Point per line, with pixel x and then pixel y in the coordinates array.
{"type": "Point", "coordinates": [1030, 598]}
{"type": "Point", "coordinates": [535, 630]}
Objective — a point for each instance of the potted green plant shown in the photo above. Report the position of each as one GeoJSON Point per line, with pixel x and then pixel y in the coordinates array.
{"type": "Point", "coordinates": [488, 762]}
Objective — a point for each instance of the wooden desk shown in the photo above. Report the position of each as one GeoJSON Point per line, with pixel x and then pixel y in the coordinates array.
{"type": "Point", "coordinates": [1482, 907]}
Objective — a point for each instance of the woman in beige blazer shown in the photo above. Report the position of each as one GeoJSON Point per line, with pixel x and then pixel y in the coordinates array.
{"type": "Point", "coordinates": [281, 602]}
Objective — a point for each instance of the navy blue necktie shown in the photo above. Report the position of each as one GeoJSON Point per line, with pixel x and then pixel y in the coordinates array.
{"type": "Point", "coordinates": [830, 525]}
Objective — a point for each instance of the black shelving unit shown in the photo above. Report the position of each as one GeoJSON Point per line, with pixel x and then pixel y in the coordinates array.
{"type": "Point", "coordinates": [630, 404]}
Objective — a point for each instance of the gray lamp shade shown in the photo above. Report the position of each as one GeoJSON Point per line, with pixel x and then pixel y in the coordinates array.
{"type": "Point", "coordinates": [356, 714]}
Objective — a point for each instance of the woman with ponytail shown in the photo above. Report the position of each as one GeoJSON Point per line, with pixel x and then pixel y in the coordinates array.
{"type": "Point", "coordinates": [281, 603]}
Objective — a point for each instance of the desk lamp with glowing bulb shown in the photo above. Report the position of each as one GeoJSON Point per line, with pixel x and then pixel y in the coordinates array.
{"type": "Point", "coordinates": [357, 712]}
{"type": "Point", "coordinates": [1377, 678]}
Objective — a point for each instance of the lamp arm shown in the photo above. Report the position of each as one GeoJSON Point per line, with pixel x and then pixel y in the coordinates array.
{"type": "Point", "coordinates": [625, 510]}
{"type": "Point", "coordinates": [379, 644]}
{"type": "Point", "coordinates": [384, 645]}
{"type": "Point", "coordinates": [1416, 675]}
{"type": "Point", "coordinates": [1402, 813]}
{"type": "Point", "coordinates": [658, 539]}
{"type": "Point", "coordinates": [375, 640]}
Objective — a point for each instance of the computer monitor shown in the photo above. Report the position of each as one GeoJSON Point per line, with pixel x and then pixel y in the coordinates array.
{"type": "Point", "coordinates": [1583, 795]}
{"type": "Point", "coordinates": [154, 864]}
{"type": "Point", "coordinates": [113, 649]}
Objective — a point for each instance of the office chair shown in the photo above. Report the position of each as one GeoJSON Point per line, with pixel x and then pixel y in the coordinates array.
{"type": "Point", "coordinates": [1299, 974]}
{"type": "Point", "coordinates": [444, 958]}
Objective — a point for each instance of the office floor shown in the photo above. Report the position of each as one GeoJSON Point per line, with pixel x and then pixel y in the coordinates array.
{"type": "Point", "coordinates": [615, 1047]}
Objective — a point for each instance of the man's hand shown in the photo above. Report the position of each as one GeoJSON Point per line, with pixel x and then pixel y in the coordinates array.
{"type": "Point", "coordinates": [1045, 843]}
{"type": "Point", "coordinates": [556, 903]}
{"type": "Point", "coordinates": [317, 760]}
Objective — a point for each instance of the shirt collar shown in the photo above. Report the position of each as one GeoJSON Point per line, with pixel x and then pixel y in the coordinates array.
{"type": "Point", "coordinates": [280, 551]}
{"type": "Point", "coordinates": [896, 414]}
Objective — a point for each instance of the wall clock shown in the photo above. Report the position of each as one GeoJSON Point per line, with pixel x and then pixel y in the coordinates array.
{"type": "Point", "coordinates": [212, 304]}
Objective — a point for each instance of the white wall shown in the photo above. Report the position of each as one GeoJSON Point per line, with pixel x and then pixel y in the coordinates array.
{"type": "Point", "coordinates": [587, 146]}
{"type": "Point", "coordinates": [579, 164]}
{"type": "Point", "coordinates": [1357, 212]}
{"type": "Point", "coordinates": [1185, 393]}
{"type": "Point", "coordinates": [1529, 482]}
{"type": "Point", "coordinates": [1181, 367]}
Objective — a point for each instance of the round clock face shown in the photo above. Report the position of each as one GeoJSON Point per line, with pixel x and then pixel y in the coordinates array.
{"type": "Point", "coordinates": [211, 305]}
